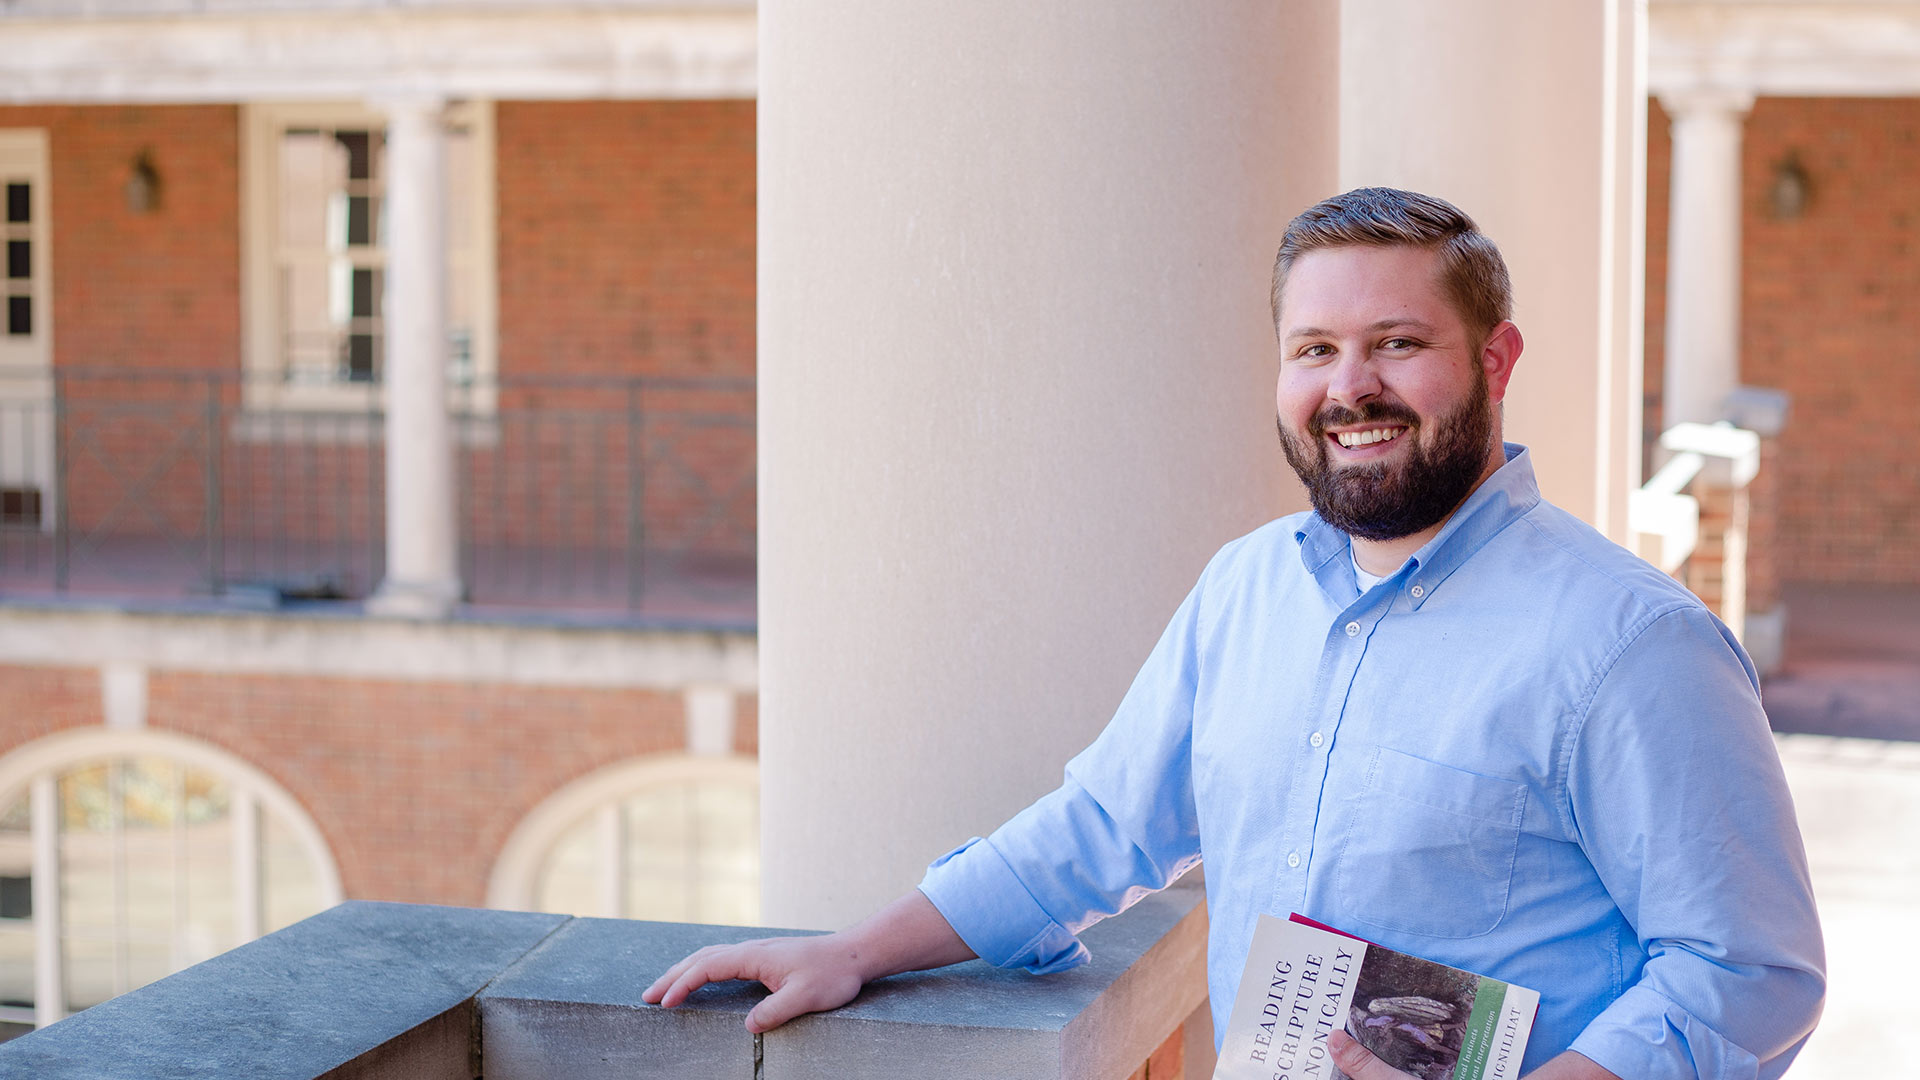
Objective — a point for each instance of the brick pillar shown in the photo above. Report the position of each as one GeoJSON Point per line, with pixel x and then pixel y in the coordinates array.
{"type": "Point", "coordinates": [1717, 572]}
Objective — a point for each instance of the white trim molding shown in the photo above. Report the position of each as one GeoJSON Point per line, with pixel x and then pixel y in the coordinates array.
{"type": "Point", "coordinates": [371, 648]}
{"type": "Point", "coordinates": [522, 52]}
{"type": "Point", "coordinates": [1785, 48]}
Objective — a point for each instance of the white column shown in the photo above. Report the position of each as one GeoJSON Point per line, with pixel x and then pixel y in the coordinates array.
{"type": "Point", "coordinates": [1703, 253]}
{"type": "Point", "coordinates": [1529, 117]}
{"type": "Point", "coordinates": [1016, 385]}
{"type": "Point", "coordinates": [423, 576]}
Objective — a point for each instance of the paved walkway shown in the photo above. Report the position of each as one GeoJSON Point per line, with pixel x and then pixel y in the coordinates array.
{"type": "Point", "coordinates": [1848, 704]}
{"type": "Point", "coordinates": [1859, 806]}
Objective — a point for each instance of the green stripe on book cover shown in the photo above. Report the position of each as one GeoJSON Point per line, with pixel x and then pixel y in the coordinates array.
{"type": "Point", "coordinates": [1482, 1025]}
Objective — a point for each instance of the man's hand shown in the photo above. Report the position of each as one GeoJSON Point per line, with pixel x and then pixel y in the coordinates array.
{"type": "Point", "coordinates": [1358, 1062]}
{"type": "Point", "coordinates": [813, 974]}
{"type": "Point", "coordinates": [806, 974]}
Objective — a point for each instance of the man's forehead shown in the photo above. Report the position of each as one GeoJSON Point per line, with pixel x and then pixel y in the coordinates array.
{"type": "Point", "coordinates": [1376, 287]}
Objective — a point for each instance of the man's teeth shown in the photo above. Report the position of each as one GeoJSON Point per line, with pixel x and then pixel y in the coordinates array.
{"type": "Point", "coordinates": [1367, 438]}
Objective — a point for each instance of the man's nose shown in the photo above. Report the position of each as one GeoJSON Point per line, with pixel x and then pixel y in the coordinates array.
{"type": "Point", "coordinates": [1354, 381]}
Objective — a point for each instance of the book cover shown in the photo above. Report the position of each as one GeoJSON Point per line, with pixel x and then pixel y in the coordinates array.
{"type": "Point", "coordinates": [1428, 1020]}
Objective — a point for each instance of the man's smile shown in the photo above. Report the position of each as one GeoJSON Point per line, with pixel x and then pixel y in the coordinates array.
{"type": "Point", "coordinates": [1354, 440]}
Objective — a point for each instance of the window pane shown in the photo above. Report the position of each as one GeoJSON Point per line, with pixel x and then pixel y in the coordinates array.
{"type": "Point", "coordinates": [693, 853]}
{"type": "Point", "coordinates": [660, 865]}
{"type": "Point", "coordinates": [359, 151]}
{"type": "Point", "coordinates": [19, 203]}
{"type": "Point", "coordinates": [20, 316]}
{"type": "Point", "coordinates": [362, 361]}
{"type": "Point", "coordinates": [16, 963]}
{"type": "Point", "coordinates": [88, 970]}
{"type": "Point", "coordinates": [16, 906]}
{"type": "Point", "coordinates": [290, 883]}
{"type": "Point", "coordinates": [19, 259]}
{"type": "Point", "coordinates": [149, 806]}
{"type": "Point", "coordinates": [312, 168]}
{"type": "Point", "coordinates": [366, 293]}
{"type": "Point", "coordinates": [568, 883]}
{"type": "Point", "coordinates": [207, 824]}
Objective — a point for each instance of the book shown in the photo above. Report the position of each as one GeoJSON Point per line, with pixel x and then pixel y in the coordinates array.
{"type": "Point", "coordinates": [1428, 1020]}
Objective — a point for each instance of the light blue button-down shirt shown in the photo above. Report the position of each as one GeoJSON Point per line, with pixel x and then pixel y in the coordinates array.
{"type": "Point", "coordinates": [1526, 753]}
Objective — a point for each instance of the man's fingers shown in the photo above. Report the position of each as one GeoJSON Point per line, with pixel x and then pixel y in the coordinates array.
{"type": "Point", "coordinates": [1357, 1061]}
{"type": "Point", "coordinates": [715, 963]}
{"type": "Point", "coordinates": [802, 996]}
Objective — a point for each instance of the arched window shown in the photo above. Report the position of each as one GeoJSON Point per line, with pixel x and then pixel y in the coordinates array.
{"type": "Point", "coordinates": [128, 855]}
{"type": "Point", "coordinates": [671, 838]}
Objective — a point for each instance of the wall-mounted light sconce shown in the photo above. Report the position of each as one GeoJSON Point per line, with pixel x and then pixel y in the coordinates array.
{"type": "Point", "coordinates": [1790, 190]}
{"type": "Point", "coordinates": [143, 185]}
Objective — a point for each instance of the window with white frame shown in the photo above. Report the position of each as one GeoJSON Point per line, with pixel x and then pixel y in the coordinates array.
{"type": "Point", "coordinates": [128, 855]}
{"type": "Point", "coordinates": [315, 181]}
{"type": "Point", "coordinates": [673, 838]}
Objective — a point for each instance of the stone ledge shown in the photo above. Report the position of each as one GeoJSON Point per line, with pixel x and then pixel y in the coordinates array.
{"type": "Point", "coordinates": [362, 982]}
{"type": "Point", "coordinates": [369, 991]}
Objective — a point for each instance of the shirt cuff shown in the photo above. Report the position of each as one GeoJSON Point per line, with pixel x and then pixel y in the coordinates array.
{"type": "Point", "coordinates": [1645, 1034]}
{"type": "Point", "coordinates": [987, 905]}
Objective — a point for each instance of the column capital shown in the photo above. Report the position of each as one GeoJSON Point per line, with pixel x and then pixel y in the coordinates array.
{"type": "Point", "coordinates": [1707, 100]}
{"type": "Point", "coordinates": [400, 101]}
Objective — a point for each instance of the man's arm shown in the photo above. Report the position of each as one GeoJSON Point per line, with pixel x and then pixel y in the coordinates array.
{"type": "Point", "coordinates": [814, 974]}
{"type": "Point", "coordinates": [1676, 794]}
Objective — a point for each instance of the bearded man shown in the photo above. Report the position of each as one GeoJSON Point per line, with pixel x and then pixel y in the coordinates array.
{"type": "Point", "coordinates": [1437, 712]}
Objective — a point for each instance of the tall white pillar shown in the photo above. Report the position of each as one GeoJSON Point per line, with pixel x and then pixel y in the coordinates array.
{"type": "Point", "coordinates": [1703, 253]}
{"type": "Point", "coordinates": [1530, 117]}
{"type": "Point", "coordinates": [423, 576]}
{"type": "Point", "coordinates": [1016, 385]}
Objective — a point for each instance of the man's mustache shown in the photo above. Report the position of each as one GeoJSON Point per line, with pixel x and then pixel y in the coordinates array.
{"type": "Point", "coordinates": [1373, 412]}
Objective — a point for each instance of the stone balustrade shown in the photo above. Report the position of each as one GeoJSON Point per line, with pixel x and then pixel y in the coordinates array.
{"type": "Point", "coordinates": [370, 991]}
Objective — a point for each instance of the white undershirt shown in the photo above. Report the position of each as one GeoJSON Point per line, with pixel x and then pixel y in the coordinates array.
{"type": "Point", "coordinates": [1367, 581]}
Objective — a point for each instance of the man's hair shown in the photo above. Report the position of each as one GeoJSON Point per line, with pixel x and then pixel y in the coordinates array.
{"type": "Point", "coordinates": [1471, 269]}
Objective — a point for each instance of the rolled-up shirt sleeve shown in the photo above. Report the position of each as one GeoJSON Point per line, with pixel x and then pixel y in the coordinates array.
{"type": "Point", "coordinates": [1676, 793]}
{"type": "Point", "coordinates": [1121, 825]}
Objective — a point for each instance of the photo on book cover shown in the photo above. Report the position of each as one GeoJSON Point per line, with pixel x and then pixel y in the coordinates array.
{"type": "Point", "coordinates": [1411, 1013]}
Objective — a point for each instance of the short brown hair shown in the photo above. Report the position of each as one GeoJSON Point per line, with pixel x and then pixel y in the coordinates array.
{"type": "Point", "coordinates": [1471, 269]}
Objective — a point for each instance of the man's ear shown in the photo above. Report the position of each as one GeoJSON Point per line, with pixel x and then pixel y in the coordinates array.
{"type": "Point", "coordinates": [1502, 351]}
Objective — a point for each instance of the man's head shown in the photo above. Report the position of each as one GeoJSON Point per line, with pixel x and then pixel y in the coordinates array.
{"type": "Point", "coordinates": [1391, 308]}
{"type": "Point", "coordinates": [1471, 269]}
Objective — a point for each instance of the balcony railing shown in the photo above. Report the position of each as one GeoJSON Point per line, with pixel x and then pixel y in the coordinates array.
{"type": "Point", "coordinates": [374, 991]}
{"type": "Point", "coordinates": [629, 498]}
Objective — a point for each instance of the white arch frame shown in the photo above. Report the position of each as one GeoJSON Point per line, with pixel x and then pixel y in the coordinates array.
{"type": "Point", "coordinates": [511, 885]}
{"type": "Point", "coordinates": [30, 770]}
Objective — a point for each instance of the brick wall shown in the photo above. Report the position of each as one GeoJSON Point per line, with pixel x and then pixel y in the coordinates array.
{"type": "Point", "coordinates": [1829, 314]}
{"type": "Point", "coordinates": [37, 701]}
{"type": "Point", "coordinates": [416, 785]}
{"type": "Point", "coordinates": [627, 247]}
{"type": "Point", "coordinates": [626, 237]}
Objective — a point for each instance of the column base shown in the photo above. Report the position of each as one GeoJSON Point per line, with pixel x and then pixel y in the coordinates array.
{"type": "Point", "coordinates": [414, 599]}
{"type": "Point", "coordinates": [1765, 639]}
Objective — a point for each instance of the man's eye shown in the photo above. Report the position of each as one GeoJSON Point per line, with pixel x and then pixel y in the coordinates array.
{"type": "Point", "coordinates": [1399, 343]}
{"type": "Point", "coordinates": [1316, 351]}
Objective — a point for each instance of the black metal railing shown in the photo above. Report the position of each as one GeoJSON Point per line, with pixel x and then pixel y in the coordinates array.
{"type": "Point", "coordinates": [630, 496]}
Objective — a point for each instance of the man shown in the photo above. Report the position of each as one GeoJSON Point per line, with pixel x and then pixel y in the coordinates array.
{"type": "Point", "coordinates": [1437, 712]}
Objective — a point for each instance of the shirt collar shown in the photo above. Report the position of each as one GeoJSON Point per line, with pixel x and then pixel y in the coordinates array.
{"type": "Point", "coordinates": [1499, 501]}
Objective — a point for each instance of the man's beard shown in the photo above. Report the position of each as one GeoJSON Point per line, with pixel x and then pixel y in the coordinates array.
{"type": "Point", "coordinates": [1383, 500]}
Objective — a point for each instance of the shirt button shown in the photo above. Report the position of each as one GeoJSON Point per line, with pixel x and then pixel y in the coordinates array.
{"type": "Point", "coordinates": [1418, 591]}
{"type": "Point", "coordinates": [1317, 739]}
{"type": "Point", "coordinates": [1353, 629]}
{"type": "Point", "coordinates": [1293, 859]}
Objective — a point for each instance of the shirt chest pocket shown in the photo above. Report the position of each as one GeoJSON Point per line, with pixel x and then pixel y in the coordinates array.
{"type": "Point", "coordinates": [1429, 849]}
